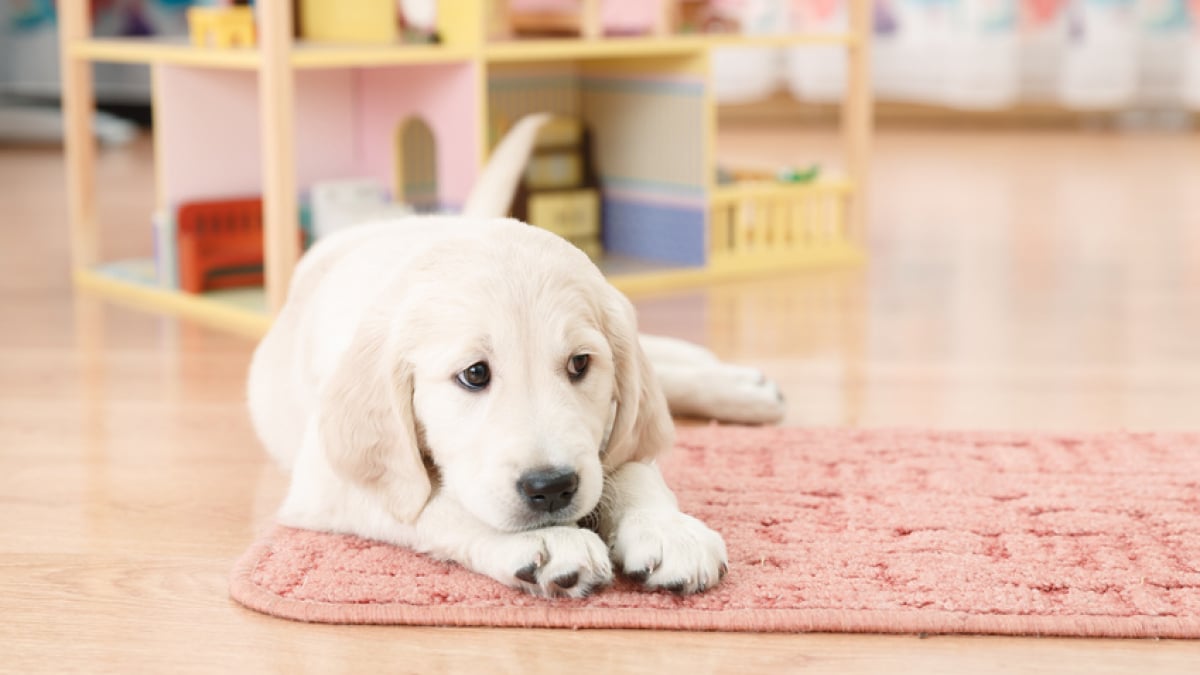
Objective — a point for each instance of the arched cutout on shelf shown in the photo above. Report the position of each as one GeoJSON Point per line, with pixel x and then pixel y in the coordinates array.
{"type": "Point", "coordinates": [416, 165]}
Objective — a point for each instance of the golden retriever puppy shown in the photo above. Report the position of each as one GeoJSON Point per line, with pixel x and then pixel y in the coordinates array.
{"type": "Point", "coordinates": [473, 388]}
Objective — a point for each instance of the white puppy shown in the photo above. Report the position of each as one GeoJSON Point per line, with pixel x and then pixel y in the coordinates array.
{"type": "Point", "coordinates": [473, 388]}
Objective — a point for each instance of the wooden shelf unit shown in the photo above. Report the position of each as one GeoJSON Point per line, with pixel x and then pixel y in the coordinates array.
{"type": "Point", "coordinates": [277, 59]}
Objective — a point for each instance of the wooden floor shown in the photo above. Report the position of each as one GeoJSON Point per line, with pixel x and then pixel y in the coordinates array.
{"type": "Point", "coordinates": [1016, 281]}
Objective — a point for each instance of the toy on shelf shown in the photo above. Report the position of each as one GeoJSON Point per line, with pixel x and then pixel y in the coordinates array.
{"type": "Point", "coordinates": [222, 27]}
{"type": "Point", "coordinates": [584, 18]}
{"type": "Point", "coordinates": [166, 249]}
{"type": "Point", "coordinates": [759, 213]}
{"type": "Point", "coordinates": [786, 174]}
{"type": "Point", "coordinates": [558, 189]}
{"type": "Point", "coordinates": [337, 205]}
{"type": "Point", "coordinates": [704, 16]}
{"type": "Point", "coordinates": [542, 17]}
{"type": "Point", "coordinates": [220, 244]}
{"type": "Point", "coordinates": [418, 21]}
{"type": "Point", "coordinates": [367, 21]}
{"type": "Point", "coordinates": [790, 174]}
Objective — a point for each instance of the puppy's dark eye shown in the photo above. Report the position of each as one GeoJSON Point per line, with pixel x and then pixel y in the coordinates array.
{"type": "Point", "coordinates": [475, 377]}
{"type": "Point", "coordinates": [577, 366]}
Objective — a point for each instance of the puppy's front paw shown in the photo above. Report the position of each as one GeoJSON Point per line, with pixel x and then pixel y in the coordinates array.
{"type": "Point", "coordinates": [669, 550]}
{"type": "Point", "coordinates": [555, 562]}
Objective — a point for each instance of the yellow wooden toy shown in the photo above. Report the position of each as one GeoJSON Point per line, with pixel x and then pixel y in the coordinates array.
{"type": "Point", "coordinates": [583, 20]}
{"type": "Point", "coordinates": [221, 26]}
{"type": "Point", "coordinates": [361, 21]}
{"type": "Point", "coordinates": [558, 191]}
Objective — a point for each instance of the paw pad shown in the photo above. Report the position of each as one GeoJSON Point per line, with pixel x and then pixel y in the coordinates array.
{"type": "Point", "coordinates": [567, 581]}
{"type": "Point", "coordinates": [528, 573]}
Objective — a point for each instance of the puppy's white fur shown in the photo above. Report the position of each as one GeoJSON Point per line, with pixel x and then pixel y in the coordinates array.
{"type": "Point", "coordinates": [354, 389]}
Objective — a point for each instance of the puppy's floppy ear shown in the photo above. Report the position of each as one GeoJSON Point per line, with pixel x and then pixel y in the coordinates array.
{"type": "Point", "coordinates": [366, 421]}
{"type": "Point", "coordinates": [642, 427]}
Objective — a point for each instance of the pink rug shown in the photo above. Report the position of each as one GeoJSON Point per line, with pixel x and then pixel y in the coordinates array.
{"type": "Point", "coordinates": [878, 531]}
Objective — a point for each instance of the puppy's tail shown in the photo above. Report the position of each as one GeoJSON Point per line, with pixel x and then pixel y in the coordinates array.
{"type": "Point", "coordinates": [493, 192]}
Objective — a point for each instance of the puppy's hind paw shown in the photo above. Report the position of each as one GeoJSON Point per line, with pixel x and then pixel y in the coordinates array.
{"type": "Point", "coordinates": [752, 399]}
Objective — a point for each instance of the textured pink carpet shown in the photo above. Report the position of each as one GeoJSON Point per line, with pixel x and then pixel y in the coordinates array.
{"type": "Point", "coordinates": [879, 531]}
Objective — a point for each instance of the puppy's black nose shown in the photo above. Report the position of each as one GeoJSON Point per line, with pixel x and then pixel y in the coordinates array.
{"type": "Point", "coordinates": [548, 489]}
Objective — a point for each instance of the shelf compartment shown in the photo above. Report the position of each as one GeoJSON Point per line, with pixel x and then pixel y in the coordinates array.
{"type": "Point", "coordinates": [177, 51]}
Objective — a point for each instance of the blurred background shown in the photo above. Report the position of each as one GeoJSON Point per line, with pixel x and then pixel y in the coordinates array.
{"type": "Point", "coordinates": [1128, 62]}
{"type": "Point", "coordinates": [1116, 56]}
{"type": "Point", "coordinates": [1033, 239]}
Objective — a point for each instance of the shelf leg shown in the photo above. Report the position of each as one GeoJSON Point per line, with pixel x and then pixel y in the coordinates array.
{"type": "Point", "coordinates": [79, 105]}
{"type": "Point", "coordinates": [276, 102]}
{"type": "Point", "coordinates": [857, 117]}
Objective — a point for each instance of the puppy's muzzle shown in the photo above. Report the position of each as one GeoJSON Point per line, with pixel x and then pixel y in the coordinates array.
{"type": "Point", "coordinates": [548, 490]}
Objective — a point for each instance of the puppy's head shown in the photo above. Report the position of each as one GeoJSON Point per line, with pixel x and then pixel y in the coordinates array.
{"type": "Point", "coordinates": [502, 369]}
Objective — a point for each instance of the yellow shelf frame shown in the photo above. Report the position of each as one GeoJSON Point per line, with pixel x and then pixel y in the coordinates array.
{"type": "Point", "coordinates": [199, 308]}
{"type": "Point", "coordinates": [220, 315]}
{"type": "Point", "coordinates": [177, 51]}
{"type": "Point", "coordinates": [167, 51]}
{"type": "Point", "coordinates": [319, 55]}
{"type": "Point", "coordinates": [633, 47]}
